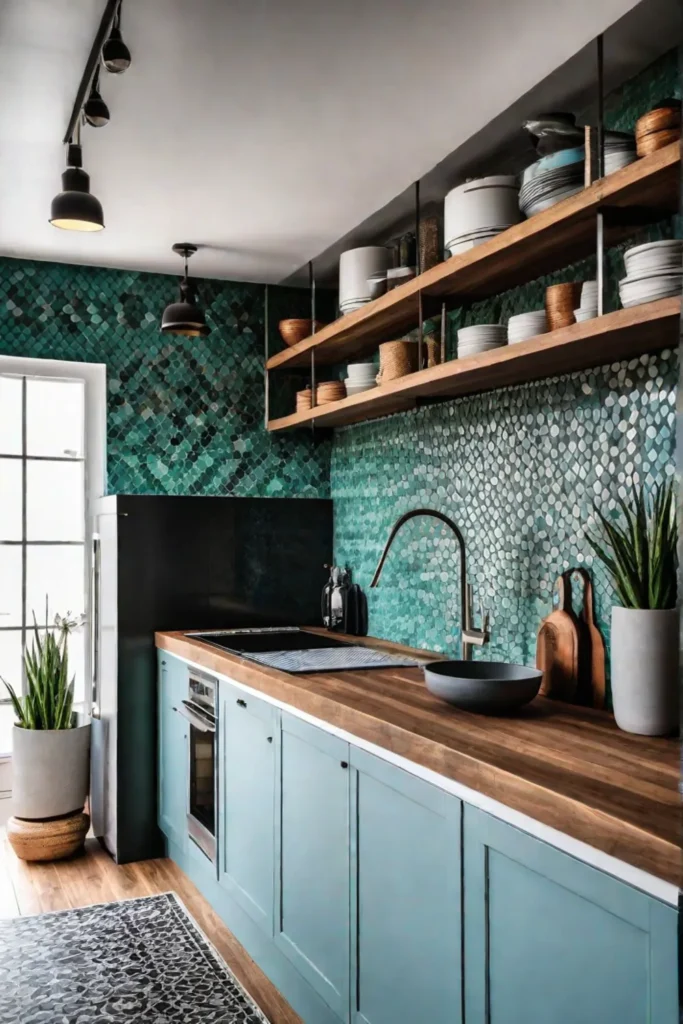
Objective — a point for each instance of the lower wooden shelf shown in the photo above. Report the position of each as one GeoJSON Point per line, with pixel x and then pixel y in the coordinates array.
{"type": "Point", "coordinates": [623, 334]}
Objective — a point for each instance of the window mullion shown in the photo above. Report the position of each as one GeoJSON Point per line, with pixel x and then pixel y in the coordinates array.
{"type": "Point", "coordinates": [24, 517]}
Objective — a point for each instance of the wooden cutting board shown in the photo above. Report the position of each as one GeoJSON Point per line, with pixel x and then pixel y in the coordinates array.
{"type": "Point", "coordinates": [557, 645]}
{"type": "Point", "coordinates": [592, 637]}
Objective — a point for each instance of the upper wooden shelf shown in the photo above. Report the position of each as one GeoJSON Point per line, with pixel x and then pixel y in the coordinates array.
{"type": "Point", "coordinates": [623, 334]}
{"type": "Point", "coordinates": [544, 243]}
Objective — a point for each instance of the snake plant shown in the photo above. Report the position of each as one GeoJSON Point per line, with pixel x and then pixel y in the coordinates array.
{"type": "Point", "coordinates": [640, 552]}
{"type": "Point", "coordinates": [48, 703]}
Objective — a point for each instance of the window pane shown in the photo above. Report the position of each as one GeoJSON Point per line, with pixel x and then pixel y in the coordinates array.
{"type": "Point", "coordinates": [10, 499]}
{"type": "Point", "coordinates": [7, 718]}
{"type": "Point", "coordinates": [54, 501]}
{"type": "Point", "coordinates": [10, 586]}
{"type": "Point", "coordinates": [58, 573]}
{"type": "Point", "coordinates": [54, 417]}
{"type": "Point", "coordinates": [77, 663]}
{"type": "Point", "coordinates": [10, 416]}
{"type": "Point", "coordinates": [10, 660]}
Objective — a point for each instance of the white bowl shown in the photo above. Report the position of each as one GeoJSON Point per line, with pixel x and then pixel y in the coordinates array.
{"type": "Point", "coordinates": [585, 313]}
{"type": "Point", "coordinates": [356, 266]}
{"type": "Point", "coordinates": [455, 250]}
{"type": "Point", "coordinates": [465, 353]}
{"type": "Point", "coordinates": [523, 334]}
{"type": "Point", "coordinates": [357, 389]}
{"type": "Point", "coordinates": [482, 203]}
{"type": "Point", "coordinates": [482, 332]}
{"type": "Point", "coordinates": [633, 293]}
{"type": "Point", "coordinates": [356, 370]}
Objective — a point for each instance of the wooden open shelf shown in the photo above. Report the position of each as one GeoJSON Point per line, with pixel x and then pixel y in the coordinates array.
{"type": "Point", "coordinates": [623, 334]}
{"type": "Point", "coordinates": [550, 240]}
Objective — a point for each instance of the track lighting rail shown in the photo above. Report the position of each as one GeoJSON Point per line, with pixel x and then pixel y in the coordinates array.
{"type": "Point", "coordinates": [105, 26]}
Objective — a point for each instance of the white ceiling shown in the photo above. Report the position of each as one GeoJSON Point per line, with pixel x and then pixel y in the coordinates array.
{"type": "Point", "coordinates": [262, 130]}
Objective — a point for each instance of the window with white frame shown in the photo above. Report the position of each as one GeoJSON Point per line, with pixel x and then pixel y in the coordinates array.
{"type": "Point", "coordinates": [42, 514]}
{"type": "Point", "coordinates": [44, 566]}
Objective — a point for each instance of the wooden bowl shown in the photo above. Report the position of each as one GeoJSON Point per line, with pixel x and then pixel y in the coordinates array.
{"type": "Point", "coordinates": [647, 144]}
{"type": "Point", "coordinates": [661, 119]}
{"type": "Point", "coordinates": [293, 331]}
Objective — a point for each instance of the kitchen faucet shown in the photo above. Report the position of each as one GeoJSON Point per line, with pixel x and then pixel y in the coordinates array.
{"type": "Point", "coordinates": [470, 637]}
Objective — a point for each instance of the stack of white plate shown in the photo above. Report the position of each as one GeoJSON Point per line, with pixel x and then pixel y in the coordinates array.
{"type": "Point", "coordinates": [480, 338]}
{"type": "Point", "coordinates": [526, 325]}
{"type": "Point", "coordinates": [361, 378]}
{"type": "Point", "coordinates": [653, 271]}
{"type": "Point", "coordinates": [588, 309]}
{"type": "Point", "coordinates": [355, 267]}
{"type": "Point", "coordinates": [620, 150]}
{"type": "Point", "coordinates": [551, 179]}
{"type": "Point", "coordinates": [479, 210]}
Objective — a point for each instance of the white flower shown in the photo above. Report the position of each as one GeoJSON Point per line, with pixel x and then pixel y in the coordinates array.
{"type": "Point", "coordinates": [69, 623]}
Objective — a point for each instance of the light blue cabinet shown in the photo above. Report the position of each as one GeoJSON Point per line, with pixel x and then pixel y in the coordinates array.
{"type": "Point", "coordinates": [247, 793]}
{"type": "Point", "coordinates": [369, 896]}
{"type": "Point", "coordinates": [313, 851]}
{"type": "Point", "coordinates": [548, 938]}
{"type": "Point", "coordinates": [173, 760]}
{"type": "Point", "coordinates": [406, 946]}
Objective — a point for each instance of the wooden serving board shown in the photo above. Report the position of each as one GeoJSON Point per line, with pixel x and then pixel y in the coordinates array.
{"type": "Point", "coordinates": [557, 645]}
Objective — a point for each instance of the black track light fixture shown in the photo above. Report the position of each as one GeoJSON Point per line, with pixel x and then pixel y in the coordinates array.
{"type": "Point", "coordinates": [185, 316]}
{"type": "Point", "coordinates": [95, 110]}
{"type": "Point", "coordinates": [115, 53]}
{"type": "Point", "coordinates": [75, 209]}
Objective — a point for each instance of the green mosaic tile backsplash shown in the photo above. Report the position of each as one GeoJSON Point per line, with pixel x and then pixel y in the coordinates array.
{"type": "Point", "coordinates": [519, 470]}
{"type": "Point", "coordinates": [185, 415]}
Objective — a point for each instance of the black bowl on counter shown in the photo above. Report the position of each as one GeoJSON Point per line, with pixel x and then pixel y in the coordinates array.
{"type": "Point", "coordinates": [488, 687]}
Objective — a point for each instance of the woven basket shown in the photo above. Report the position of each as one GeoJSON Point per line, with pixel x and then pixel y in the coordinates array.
{"type": "Point", "coordinates": [560, 302]}
{"type": "Point", "coordinates": [303, 400]}
{"type": "Point", "coordinates": [48, 840]}
{"type": "Point", "coordinates": [396, 359]}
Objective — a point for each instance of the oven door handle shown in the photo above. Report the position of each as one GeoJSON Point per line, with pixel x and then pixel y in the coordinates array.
{"type": "Point", "coordinates": [195, 718]}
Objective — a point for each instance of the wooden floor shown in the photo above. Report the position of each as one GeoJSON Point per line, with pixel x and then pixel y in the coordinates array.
{"type": "Point", "coordinates": [94, 878]}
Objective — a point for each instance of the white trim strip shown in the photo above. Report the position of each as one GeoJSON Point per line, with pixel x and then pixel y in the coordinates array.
{"type": "Point", "coordinates": [639, 879]}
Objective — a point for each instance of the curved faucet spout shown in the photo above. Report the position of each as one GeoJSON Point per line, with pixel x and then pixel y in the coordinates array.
{"type": "Point", "coordinates": [430, 512]}
{"type": "Point", "coordinates": [469, 636]}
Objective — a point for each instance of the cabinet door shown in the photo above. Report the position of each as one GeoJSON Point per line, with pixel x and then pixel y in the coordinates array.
{"type": "Point", "coordinates": [406, 919]}
{"type": "Point", "coordinates": [173, 758]}
{"type": "Point", "coordinates": [548, 938]}
{"type": "Point", "coordinates": [312, 919]}
{"type": "Point", "coordinates": [246, 783]}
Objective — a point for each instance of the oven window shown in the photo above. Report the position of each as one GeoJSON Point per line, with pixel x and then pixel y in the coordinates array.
{"type": "Point", "coordinates": [202, 754]}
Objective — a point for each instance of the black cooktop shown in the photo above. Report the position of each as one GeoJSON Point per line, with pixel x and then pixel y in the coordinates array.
{"type": "Point", "coordinates": [260, 641]}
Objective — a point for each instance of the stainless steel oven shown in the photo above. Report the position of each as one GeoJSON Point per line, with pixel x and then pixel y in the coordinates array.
{"type": "Point", "coordinates": [201, 711]}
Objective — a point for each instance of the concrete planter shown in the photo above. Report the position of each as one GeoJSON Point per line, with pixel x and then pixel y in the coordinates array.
{"type": "Point", "coordinates": [51, 771]}
{"type": "Point", "coordinates": [645, 670]}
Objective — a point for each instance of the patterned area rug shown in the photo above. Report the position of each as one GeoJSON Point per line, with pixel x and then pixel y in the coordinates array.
{"type": "Point", "coordinates": [142, 960]}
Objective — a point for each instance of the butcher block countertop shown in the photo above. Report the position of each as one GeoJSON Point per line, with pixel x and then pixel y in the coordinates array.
{"type": "Point", "coordinates": [568, 767]}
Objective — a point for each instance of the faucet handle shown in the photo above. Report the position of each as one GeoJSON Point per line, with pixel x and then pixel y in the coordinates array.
{"type": "Point", "coordinates": [486, 619]}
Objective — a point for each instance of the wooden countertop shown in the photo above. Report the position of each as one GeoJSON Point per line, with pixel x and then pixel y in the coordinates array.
{"type": "Point", "coordinates": [568, 767]}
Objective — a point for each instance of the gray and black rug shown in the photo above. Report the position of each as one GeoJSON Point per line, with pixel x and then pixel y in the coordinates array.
{"type": "Point", "coordinates": [141, 960]}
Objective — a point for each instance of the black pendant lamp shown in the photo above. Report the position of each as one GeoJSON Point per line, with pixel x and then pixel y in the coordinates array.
{"type": "Point", "coordinates": [95, 110]}
{"type": "Point", "coordinates": [115, 54]}
{"type": "Point", "coordinates": [75, 209]}
{"type": "Point", "coordinates": [185, 316]}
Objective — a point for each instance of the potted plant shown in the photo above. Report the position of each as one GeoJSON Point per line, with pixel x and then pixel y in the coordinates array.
{"type": "Point", "coordinates": [640, 553]}
{"type": "Point", "coordinates": [50, 750]}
